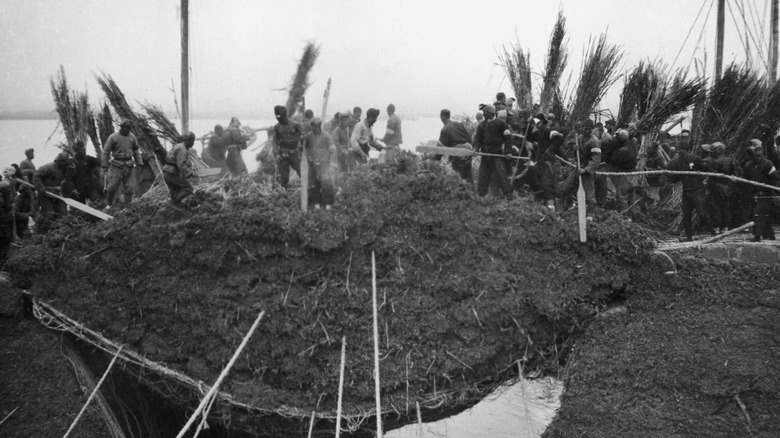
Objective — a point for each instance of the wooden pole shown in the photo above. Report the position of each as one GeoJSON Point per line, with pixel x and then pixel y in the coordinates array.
{"type": "Point", "coordinates": [325, 98]}
{"type": "Point", "coordinates": [773, 43]}
{"type": "Point", "coordinates": [341, 384]}
{"type": "Point", "coordinates": [719, 39]}
{"type": "Point", "coordinates": [311, 424]}
{"type": "Point", "coordinates": [213, 391]}
{"type": "Point", "coordinates": [376, 350]}
{"type": "Point", "coordinates": [185, 65]}
{"type": "Point", "coordinates": [92, 395]}
{"type": "Point", "coordinates": [304, 181]}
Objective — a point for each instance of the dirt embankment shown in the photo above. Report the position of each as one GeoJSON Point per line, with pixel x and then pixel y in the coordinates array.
{"type": "Point", "coordinates": [467, 287]}
{"type": "Point", "coordinates": [695, 354]}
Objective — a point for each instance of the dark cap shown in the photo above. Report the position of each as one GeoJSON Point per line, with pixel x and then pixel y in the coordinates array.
{"type": "Point", "coordinates": [599, 125]}
{"type": "Point", "coordinates": [611, 122]}
{"type": "Point", "coordinates": [126, 124]}
{"type": "Point", "coordinates": [587, 124]}
{"type": "Point", "coordinates": [372, 112]}
{"type": "Point", "coordinates": [541, 117]}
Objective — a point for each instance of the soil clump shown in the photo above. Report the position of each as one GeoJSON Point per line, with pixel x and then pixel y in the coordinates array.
{"type": "Point", "coordinates": [468, 287]}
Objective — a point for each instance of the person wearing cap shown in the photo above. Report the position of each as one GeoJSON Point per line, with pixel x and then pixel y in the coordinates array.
{"type": "Point", "coordinates": [393, 137]}
{"type": "Point", "coordinates": [722, 193]}
{"type": "Point", "coordinates": [216, 149]}
{"type": "Point", "coordinates": [493, 136]}
{"type": "Point", "coordinates": [24, 201]}
{"type": "Point", "coordinates": [287, 138]}
{"type": "Point", "coordinates": [177, 169]}
{"type": "Point", "coordinates": [121, 154]}
{"type": "Point", "coordinates": [500, 103]}
{"type": "Point", "coordinates": [455, 135]}
{"type": "Point", "coordinates": [49, 178]}
{"type": "Point", "coordinates": [693, 196]}
{"type": "Point", "coordinates": [611, 126]}
{"type": "Point", "coordinates": [362, 139]}
{"type": "Point", "coordinates": [235, 142]}
{"type": "Point", "coordinates": [82, 177]}
{"type": "Point", "coordinates": [322, 157]}
{"type": "Point", "coordinates": [27, 166]}
{"type": "Point", "coordinates": [601, 134]}
{"type": "Point", "coordinates": [619, 155]}
{"type": "Point", "coordinates": [761, 170]}
{"type": "Point", "coordinates": [340, 135]}
{"type": "Point", "coordinates": [589, 161]}
{"type": "Point", "coordinates": [7, 213]}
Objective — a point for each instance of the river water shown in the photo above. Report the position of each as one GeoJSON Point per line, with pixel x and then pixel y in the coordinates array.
{"type": "Point", "coordinates": [518, 410]}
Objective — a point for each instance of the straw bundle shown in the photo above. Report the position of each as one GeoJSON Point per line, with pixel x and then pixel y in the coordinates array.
{"type": "Point", "coordinates": [557, 59]}
{"type": "Point", "coordinates": [300, 81]}
{"type": "Point", "coordinates": [668, 100]}
{"type": "Point", "coordinates": [73, 109]}
{"type": "Point", "coordinates": [165, 128]}
{"type": "Point", "coordinates": [147, 137]}
{"type": "Point", "coordinates": [517, 66]}
{"type": "Point", "coordinates": [599, 72]}
{"type": "Point", "coordinates": [105, 122]}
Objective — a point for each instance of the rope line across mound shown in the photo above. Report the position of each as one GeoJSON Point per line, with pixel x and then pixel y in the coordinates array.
{"type": "Point", "coordinates": [56, 320]}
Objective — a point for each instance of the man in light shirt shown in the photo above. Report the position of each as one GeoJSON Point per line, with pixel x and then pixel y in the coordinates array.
{"type": "Point", "coordinates": [362, 139]}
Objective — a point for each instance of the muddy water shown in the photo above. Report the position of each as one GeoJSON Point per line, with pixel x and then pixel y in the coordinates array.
{"type": "Point", "coordinates": [520, 410]}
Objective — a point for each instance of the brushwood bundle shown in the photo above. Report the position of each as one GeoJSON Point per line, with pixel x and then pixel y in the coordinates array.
{"type": "Point", "coordinates": [599, 72]}
{"type": "Point", "coordinates": [517, 67]}
{"type": "Point", "coordinates": [300, 80]}
{"type": "Point", "coordinates": [555, 64]}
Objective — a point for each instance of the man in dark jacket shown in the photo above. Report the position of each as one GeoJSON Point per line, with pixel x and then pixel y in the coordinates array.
{"type": "Point", "coordinates": [82, 177]}
{"type": "Point", "coordinates": [287, 139]}
{"type": "Point", "coordinates": [7, 218]}
{"type": "Point", "coordinates": [722, 191]}
{"type": "Point", "coordinates": [493, 137]}
{"type": "Point", "coordinates": [623, 159]}
{"type": "Point", "coordinates": [693, 197]}
{"type": "Point", "coordinates": [49, 178]}
{"type": "Point", "coordinates": [589, 160]}
{"type": "Point", "coordinates": [455, 135]}
{"type": "Point", "coordinates": [121, 154]}
{"type": "Point", "coordinates": [177, 169]}
{"type": "Point", "coordinates": [761, 170]}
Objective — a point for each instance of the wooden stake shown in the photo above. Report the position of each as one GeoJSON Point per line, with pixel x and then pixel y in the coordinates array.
{"type": "Point", "coordinates": [341, 384]}
{"type": "Point", "coordinates": [419, 421]}
{"type": "Point", "coordinates": [376, 350]}
{"type": "Point", "coordinates": [92, 395]}
{"type": "Point", "coordinates": [311, 424]}
{"type": "Point", "coordinates": [304, 182]}
{"type": "Point", "coordinates": [212, 392]}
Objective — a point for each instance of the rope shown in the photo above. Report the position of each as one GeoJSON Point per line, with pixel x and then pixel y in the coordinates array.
{"type": "Point", "coordinates": [691, 29]}
{"type": "Point", "coordinates": [92, 395]}
{"type": "Point", "coordinates": [678, 172]}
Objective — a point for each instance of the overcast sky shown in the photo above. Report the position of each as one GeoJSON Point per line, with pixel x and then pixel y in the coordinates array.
{"type": "Point", "coordinates": [420, 55]}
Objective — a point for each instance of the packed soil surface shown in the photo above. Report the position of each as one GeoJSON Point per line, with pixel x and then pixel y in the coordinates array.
{"type": "Point", "coordinates": [467, 287]}
{"type": "Point", "coordinates": [41, 395]}
{"type": "Point", "coordinates": [696, 353]}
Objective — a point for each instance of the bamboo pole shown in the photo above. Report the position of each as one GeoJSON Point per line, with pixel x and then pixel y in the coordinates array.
{"type": "Point", "coordinates": [212, 392]}
{"type": "Point", "coordinates": [341, 384]}
{"type": "Point", "coordinates": [773, 42]}
{"type": "Point", "coordinates": [92, 395]}
{"type": "Point", "coordinates": [719, 39]}
{"type": "Point", "coordinates": [419, 421]}
{"type": "Point", "coordinates": [311, 424]}
{"type": "Point", "coordinates": [727, 233]}
{"type": "Point", "coordinates": [376, 350]}
{"type": "Point", "coordinates": [185, 65]}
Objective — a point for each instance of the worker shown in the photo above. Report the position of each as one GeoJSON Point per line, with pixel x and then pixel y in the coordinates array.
{"type": "Point", "coordinates": [455, 135]}
{"type": "Point", "coordinates": [362, 139]}
{"type": "Point", "coordinates": [761, 170]}
{"type": "Point", "coordinates": [393, 137]}
{"type": "Point", "coordinates": [235, 142]}
{"type": "Point", "coordinates": [722, 191]}
{"type": "Point", "coordinates": [177, 169]}
{"type": "Point", "coordinates": [49, 178]}
{"type": "Point", "coordinates": [27, 166]}
{"type": "Point", "coordinates": [493, 136]}
{"type": "Point", "coordinates": [322, 157]}
{"type": "Point", "coordinates": [589, 161]}
{"type": "Point", "coordinates": [693, 196]}
{"type": "Point", "coordinates": [122, 153]}
{"type": "Point", "coordinates": [340, 136]}
{"type": "Point", "coordinates": [82, 177]}
{"type": "Point", "coordinates": [7, 218]}
{"type": "Point", "coordinates": [214, 154]}
{"type": "Point", "coordinates": [287, 139]}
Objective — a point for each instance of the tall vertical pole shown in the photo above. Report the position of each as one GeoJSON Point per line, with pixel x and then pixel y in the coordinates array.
{"type": "Point", "coordinates": [773, 43]}
{"type": "Point", "coordinates": [719, 46]}
{"type": "Point", "coordinates": [185, 65]}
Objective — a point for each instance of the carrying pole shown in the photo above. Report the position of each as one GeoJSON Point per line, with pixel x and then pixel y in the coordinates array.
{"type": "Point", "coordinates": [719, 39]}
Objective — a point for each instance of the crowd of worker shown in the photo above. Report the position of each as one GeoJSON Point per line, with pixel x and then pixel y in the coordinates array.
{"type": "Point", "coordinates": [520, 151]}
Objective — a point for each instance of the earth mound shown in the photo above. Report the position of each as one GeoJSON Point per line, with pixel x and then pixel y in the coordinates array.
{"type": "Point", "coordinates": [468, 288]}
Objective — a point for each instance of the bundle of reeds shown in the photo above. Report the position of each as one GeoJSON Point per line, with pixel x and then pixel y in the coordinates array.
{"type": "Point", "coordinates": [555, 64]}
{"type": "Point", "coordinates": [599, 72]}
{"type": "Point", "coordinates": [668, 101]}
{"type": "Point", "coordinates": [300, 80]}
{"type": "Point", "coordinates": [146, 136]}
{"type": "Point", "coordinates": [73, 109]}
{"type": "Point", "coordinates": [105, 122]}
{"type": "Point", "coordinates": [517, 66]}
{"type": "Point", "coordinates": [165, 128]}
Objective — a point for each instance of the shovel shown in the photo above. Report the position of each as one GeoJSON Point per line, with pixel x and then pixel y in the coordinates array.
{"type": "Point", "coordinates": [581, 212]}
{"type": "Point", "coordinates": [74, 203]}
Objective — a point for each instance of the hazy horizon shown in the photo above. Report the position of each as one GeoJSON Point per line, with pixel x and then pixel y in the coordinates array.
{"type": "Point", "coordinates": [420, 56]}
